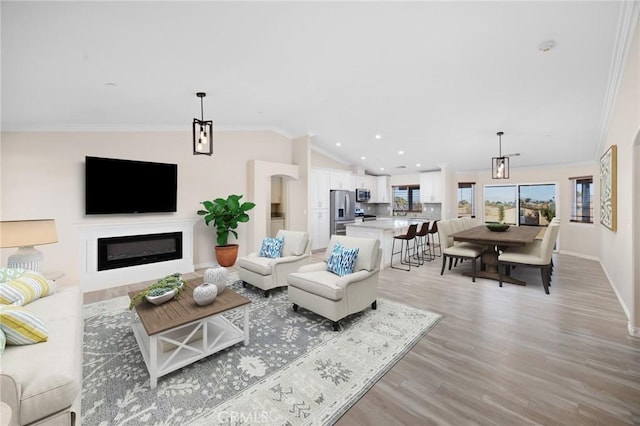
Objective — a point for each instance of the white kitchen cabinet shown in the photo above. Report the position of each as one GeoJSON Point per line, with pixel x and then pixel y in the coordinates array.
{"type": "Point", "coordinates": [341, 180]}
{"type": "Point", "coordinates": [383, 190]}
{"type": "Point", "coordinates": [431, 187]}
{"type": "Point", "coordinates": [319, 187]}
{"type": "Point", "coordinates": [319, 228]}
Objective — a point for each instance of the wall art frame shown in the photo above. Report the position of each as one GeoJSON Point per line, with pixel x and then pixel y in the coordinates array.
{"type": "Point", "coordinates": [609, 188]}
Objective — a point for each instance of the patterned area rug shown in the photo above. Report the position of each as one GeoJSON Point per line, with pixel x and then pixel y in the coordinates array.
{"type": "Point", "coordinates": [295, 371]}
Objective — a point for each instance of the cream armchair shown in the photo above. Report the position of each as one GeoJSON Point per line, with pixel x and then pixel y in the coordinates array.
{"type": "Point", "coordinates": [266, 273]}
{"type": "Point", "coordinates": [315, 288]}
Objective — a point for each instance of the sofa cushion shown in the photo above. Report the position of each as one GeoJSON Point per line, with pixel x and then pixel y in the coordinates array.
{"type": "Point", "coordinates": [25, 289]}
{"type": "Point", "coordinates": [7, 274]}
{"type": "Point", "coordinates": [21, 326]}
{"type": "Point", "coordinates": [321, 283]}
{"type": "Point", "coordinates": [3, 341]}
{"type": "Point", "coordinates": [342, 260]}
{"type": "Point", "coordinates": [259, 265]}
{"type": "Point", "coordinates": [49, 373]}
{"type": "Point", "coordinates": [295, 242]}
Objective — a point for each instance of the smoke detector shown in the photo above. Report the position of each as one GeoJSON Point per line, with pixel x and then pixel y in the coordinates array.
{"type": "Point", "coordinates": [546, 46]}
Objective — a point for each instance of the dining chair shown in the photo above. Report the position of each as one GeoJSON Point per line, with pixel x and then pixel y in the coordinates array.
{"type": "Point", "coordinates": [460, 250]}
{"type": "Point", "coordinates": [533, 255]}
{"type": "Point", "coordinates": [405, 248]}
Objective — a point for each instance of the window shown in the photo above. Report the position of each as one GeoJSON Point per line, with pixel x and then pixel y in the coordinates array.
{"type": "Point", "coordinates": [582, 206]}
{"type": "Point", "coordinates": [406, 199]}
{"type": "Point", "coordinates": [500, 203]}
{"type": "Point", "coordinates": [537, 204]}
{"type": "Point", "coordinates": [466, 199]}
{"type": "Point", "coordinates": [532, 204]}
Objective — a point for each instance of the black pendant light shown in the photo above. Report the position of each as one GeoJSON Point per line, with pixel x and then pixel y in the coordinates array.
{"type": "Point", "coordinates": [202, 132]}
{"type": "Point", "coordinates": [500, 164]}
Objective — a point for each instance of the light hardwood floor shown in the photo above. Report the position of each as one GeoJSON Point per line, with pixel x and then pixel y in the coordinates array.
{"type": "Point", "coordinates": [506, 356]}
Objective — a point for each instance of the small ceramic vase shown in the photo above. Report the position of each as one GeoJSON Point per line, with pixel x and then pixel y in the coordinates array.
{"type": "Point", "coordinates": [218, 277]}
{"type": "Point", "coordinates": [205, 294]}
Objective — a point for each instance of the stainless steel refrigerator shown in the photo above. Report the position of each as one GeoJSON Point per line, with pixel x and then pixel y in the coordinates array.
{"type": "Point", "coordinates": [342, 211]}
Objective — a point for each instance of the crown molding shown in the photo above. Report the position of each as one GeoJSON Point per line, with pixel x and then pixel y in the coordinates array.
{"type": "Point", "coordinates": [627, 23]}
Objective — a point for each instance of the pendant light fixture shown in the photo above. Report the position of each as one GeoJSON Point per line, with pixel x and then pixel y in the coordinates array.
{"type": "Point", "coordinates": [500, 164]}
{"type": "Point", "coordinates": [202, 132]}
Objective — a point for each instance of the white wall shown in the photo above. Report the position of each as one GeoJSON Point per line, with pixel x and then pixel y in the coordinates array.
{"type": "Point", "coordinates": [42, 176]}
{"type": "Point", "coordinates": [616, 247]}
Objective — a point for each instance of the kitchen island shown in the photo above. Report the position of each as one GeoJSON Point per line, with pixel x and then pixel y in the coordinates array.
{"type": "Point", "coordinates": [384, 230]}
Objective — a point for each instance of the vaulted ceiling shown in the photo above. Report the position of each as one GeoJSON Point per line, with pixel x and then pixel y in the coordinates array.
{"type": "Point", "coordinates": [436, 80]}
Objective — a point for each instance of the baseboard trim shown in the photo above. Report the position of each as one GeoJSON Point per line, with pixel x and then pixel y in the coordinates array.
{"type": "Point", "coordinates": [633, 331]}
{"type": "Point", "coordinates": [580, 255]}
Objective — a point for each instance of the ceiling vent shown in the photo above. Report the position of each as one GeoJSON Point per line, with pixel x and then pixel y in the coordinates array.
{"type": "Point", "coordinates": [401, 167]}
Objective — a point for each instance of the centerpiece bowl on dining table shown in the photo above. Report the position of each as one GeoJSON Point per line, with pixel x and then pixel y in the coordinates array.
{"type": "Point", "coordinates": [498, 227]}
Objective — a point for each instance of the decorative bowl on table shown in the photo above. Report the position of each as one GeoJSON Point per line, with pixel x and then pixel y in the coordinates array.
{"type": "Point", "coordinates": [498, 227]}
{"type": "Point", "coordinates": [158, 298]}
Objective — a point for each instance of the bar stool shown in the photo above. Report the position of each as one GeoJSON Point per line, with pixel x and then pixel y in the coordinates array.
{"type": "Point", "coordinates": [433, 231]}
{"type": "Point", "coordinates": [405, 248]}
{"type": "Point", "coordinates": [422, 244]}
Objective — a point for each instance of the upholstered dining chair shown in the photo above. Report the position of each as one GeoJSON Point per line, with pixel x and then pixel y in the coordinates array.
{"type": "Point", "coordinates": [533, 255]}
{"type": "Point", "coordinates": [459, 250]}
{"type": "Point", "coordinates": [333, 289]}
{"type": "Point", "coordinates": [267, 273]}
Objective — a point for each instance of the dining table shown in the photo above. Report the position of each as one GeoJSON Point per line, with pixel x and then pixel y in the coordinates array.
{"type": "Point", "coordinates": [515, 236]}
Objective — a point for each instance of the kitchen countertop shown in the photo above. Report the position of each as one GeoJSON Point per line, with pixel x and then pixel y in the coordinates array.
{"type": "Point", "coordinates": [387, 224]}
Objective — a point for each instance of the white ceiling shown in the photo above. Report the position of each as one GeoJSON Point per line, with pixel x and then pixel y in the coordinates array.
{"type": "Point", "coordinates": [435, 79]}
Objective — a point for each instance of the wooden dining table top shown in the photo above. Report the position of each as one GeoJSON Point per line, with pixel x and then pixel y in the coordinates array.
{"type": "Point", "coordinates": [512, 237]}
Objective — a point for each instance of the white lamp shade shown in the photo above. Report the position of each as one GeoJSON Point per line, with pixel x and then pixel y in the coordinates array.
{"type": "Point", "coordinates": [20, 233]}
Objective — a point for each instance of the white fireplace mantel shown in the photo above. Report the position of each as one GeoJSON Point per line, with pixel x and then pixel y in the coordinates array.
{"type": "Point", "coordinates": [91, 279]}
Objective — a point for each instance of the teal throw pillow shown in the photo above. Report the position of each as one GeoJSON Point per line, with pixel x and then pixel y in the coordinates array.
{"type": "Point", "coordinates": [342, 260]}
{"type": "Point", "coordinates": [272, 247]}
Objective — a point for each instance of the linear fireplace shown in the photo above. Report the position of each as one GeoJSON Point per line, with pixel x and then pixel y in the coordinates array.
{"type": "Point", "coordinates": [132, 250]}
{"type": "Point", "coordinates": [92, 279]}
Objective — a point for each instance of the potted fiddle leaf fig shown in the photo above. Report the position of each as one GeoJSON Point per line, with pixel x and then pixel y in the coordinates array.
{"type": "Point", "coordinates": [225, 215]}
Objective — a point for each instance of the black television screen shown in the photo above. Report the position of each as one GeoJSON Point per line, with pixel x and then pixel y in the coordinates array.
{"type": "Point", "coordinates": [125, 186]}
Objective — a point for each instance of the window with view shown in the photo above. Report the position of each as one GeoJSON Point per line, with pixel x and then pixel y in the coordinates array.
{"type": "Point", "coordinates": [406, 199]}
{"type": "Point", "coordinates": [500, 204]}
{"type": "Point", "coordinates": [537, 204]}
{"type": "Point", "coordinates": [466, 199]}
{"type": "Point", "coordinates": [582, 205]}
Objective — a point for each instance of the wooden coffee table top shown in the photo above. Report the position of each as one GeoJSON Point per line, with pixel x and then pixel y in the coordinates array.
{"type": "Point", "coordinates": [184, 310]}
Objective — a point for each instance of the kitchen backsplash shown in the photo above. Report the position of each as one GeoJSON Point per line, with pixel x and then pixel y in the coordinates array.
{"type": "Point", "coordinates": [430, 211]}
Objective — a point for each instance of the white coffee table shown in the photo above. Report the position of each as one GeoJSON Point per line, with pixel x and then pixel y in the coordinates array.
{"type": "Point", "coordinates": [180, 332]}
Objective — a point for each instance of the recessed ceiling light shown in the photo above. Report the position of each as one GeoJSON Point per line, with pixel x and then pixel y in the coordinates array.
{"type": "Point", "coordinates": [338, 144]}
{"type": "Point", "coordinates": [363, 158]}
{"type": "Point", "coordinates": [378, 136]}
{"type": "Point", "coordinates": [417, 164]}
{"type": "Point", "coordinates": [546, 46]}
{"type": "Point", "coordinates": [382, 168]}
{"type": "Point", "coordinates": [400, 152]}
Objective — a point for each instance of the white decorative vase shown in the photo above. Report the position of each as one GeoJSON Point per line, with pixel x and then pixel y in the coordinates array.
{"type": "Point", "coordinates": [205, 294]}
{"type": "Point", "coordinates": [218, 277]}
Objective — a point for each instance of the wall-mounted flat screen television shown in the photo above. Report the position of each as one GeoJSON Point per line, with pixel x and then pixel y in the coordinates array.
{"type": "Point", "coordinates": [115, 186]}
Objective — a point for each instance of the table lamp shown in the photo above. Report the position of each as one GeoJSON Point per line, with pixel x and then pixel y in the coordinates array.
{"type": "Point", "coordinates": [25, 234]}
